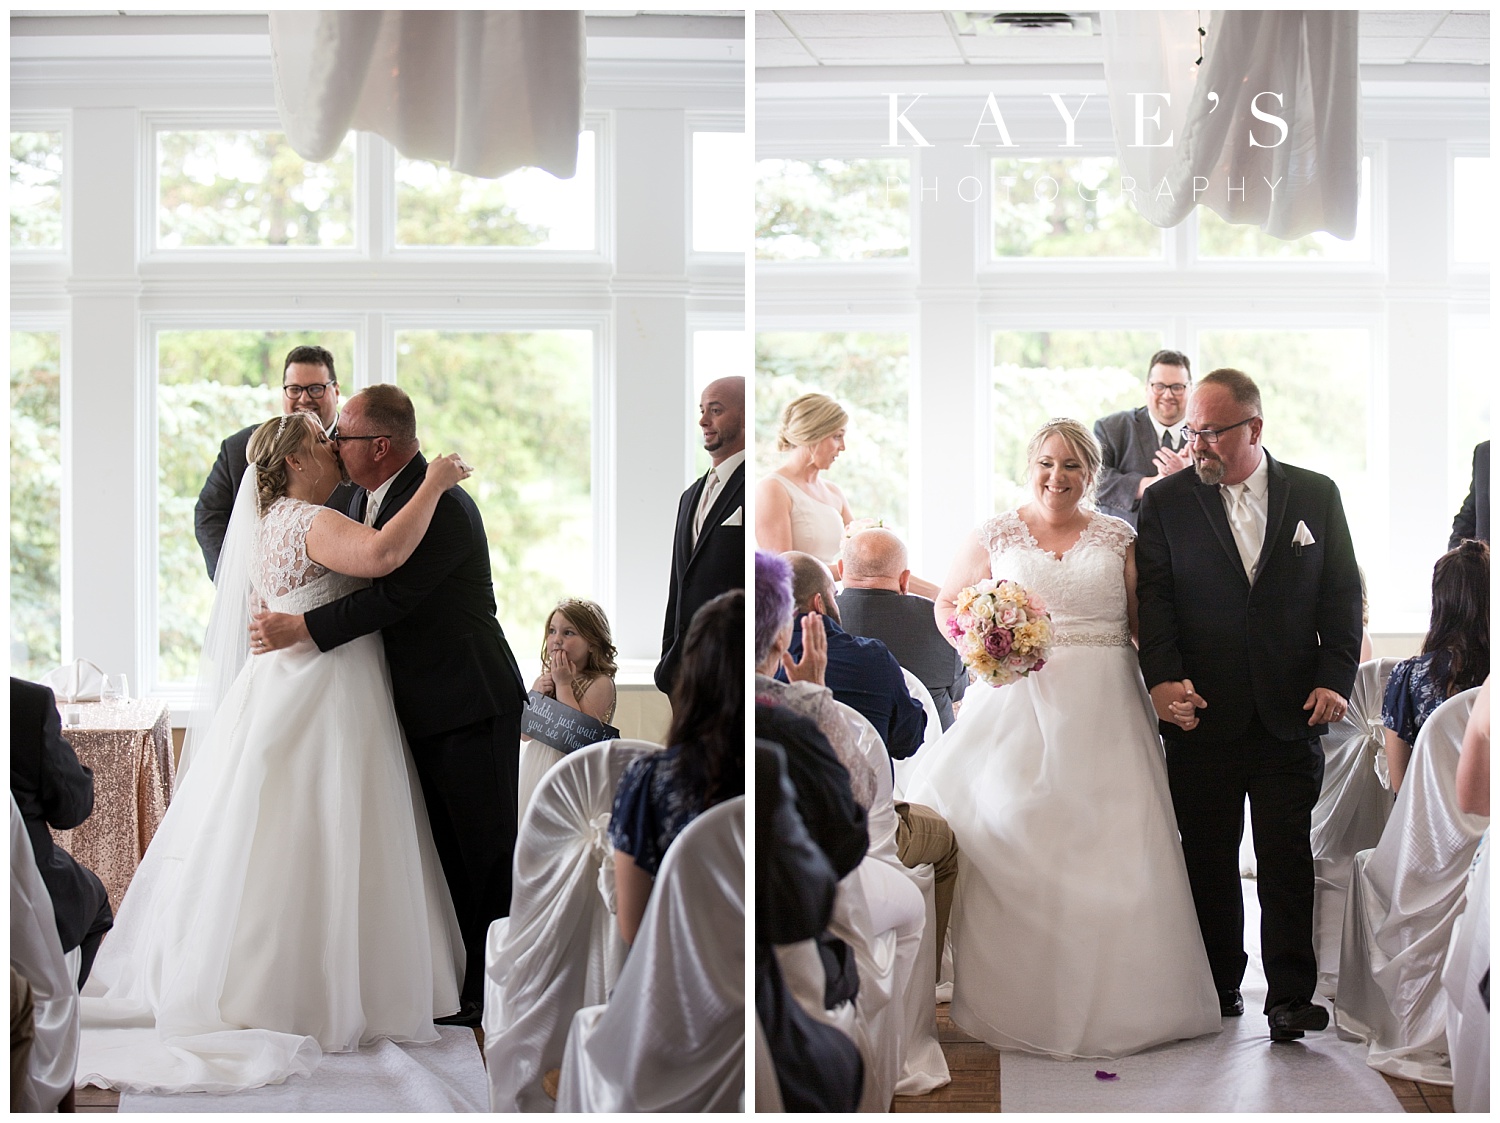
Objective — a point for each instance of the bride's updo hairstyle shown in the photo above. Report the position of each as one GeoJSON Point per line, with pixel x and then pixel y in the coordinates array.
{"type": "Point", "coordinates": [807, 420]}
{"type": "Point", "coordinates": [1079, 441]}
{"type": "Point", "coordinates": [268, 449]}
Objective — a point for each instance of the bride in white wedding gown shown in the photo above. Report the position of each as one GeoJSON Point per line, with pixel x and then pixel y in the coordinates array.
{"type": "Point", "coordinates": [292, 901]}
{"type": "Point", "coordinates": [1073, 927]}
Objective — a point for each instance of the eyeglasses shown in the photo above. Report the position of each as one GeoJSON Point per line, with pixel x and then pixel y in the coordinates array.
{"type": "Point", "coordinates": [336, 436]}
{"type": "Point", "coordinates": [315, 391]}
{"type": "Point", "coordinates": [1176, 389]}
{"type": "Point", "coordinates": [1211, 436]}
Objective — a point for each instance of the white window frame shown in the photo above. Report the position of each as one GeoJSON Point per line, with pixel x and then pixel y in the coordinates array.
{"type": "Point", "coordinates": [1465, 269]}
{"type": "Point", "coordinates": [58, 121]}
{"type": "Point", "coordinates": [704, 121]}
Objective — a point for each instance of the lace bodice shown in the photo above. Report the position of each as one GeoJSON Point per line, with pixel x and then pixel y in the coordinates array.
{"type": "Point", "coordinates": [1084, 589]}
{"type": "Point", "coordinates": [285, 577]}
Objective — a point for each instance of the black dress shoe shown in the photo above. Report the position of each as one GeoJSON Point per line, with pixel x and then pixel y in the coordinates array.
{"type": "Point", "coordinates": [469, 1014]}
{"type": "Point", "coordinates": [1290, 1020]}
{"type": "Point", "coordinates": [1231, 1005]}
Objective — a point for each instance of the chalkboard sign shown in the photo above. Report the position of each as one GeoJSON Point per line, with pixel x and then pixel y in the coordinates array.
{"type": "Point", "coordinates": [549, 721]}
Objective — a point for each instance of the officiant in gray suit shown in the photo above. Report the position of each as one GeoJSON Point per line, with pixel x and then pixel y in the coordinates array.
{"type": "Point", "coordinates": [1142, 446]}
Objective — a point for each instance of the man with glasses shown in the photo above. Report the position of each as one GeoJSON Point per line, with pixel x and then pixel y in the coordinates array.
{"type": "Point", "coordinates": [308, 385]}
{"type": "Point", "coordinates": [1142, 446]}
{"type": "Point", "coordinates": [1249, 640]}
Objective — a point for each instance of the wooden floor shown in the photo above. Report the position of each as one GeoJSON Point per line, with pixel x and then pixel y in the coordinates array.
{"type": "Point", "coordinates": [975, 1068]}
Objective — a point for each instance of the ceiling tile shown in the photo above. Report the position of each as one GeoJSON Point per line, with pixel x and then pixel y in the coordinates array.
{"type": "Point", "coordinates": [781, 52]}
{"type": "Point", "coordinates": [1388, 50]}
{"type": "Point", "coordinates": [1463, 25]}
{"type": "Point", "coordinates": [1385, 25]}
{"type": "Point", "coordinates": [867, 25]}
{"type": "Point", "coordinates": [906, 51]}
{"type": "Point", "coordinates": [768, 25]}
{"type": "Point", "coordinates": [1021, 48]}
{"type": "Point", "coordinates": [1455, 50]}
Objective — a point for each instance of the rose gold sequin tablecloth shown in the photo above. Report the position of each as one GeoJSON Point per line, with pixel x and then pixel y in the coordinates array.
{"type": "Point", "coordinates": [129, 747]}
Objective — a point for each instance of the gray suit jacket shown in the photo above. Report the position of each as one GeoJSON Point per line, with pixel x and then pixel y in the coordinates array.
{"type": "Point", "coordinates": [1129, 443]}
{"type": "Point", "coordinates": [905, 624]}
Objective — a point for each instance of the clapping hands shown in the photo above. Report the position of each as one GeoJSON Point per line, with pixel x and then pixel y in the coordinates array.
{"type": "Point", "coordinates": [814, 661]}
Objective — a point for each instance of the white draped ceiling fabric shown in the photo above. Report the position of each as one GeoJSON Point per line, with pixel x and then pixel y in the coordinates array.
{"type": "Point", "coordinates": [1301, 67]}
{"type": "Point", "coordinates": [486, 92]}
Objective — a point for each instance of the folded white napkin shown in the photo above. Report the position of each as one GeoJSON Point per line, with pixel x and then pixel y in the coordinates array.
{"type": "Point", "coordinates": [736, 519]}
{"type": "Point", "coordinates": [78, 681]}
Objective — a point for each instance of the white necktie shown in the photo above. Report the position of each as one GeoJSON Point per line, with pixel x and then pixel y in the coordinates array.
{"type": "Point", "coordinates": [372, 508]}
{"type": "Point", "coordinates": [705, 502]}
{"type": "Point", "coordinates": [1244, 521]}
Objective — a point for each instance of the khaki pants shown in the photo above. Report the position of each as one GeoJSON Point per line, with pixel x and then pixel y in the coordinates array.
{"type": "Point", "coordinates": [923, 836]}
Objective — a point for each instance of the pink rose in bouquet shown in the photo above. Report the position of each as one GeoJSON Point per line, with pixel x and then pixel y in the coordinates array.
{"type": "Point", "coordinates": [1003, 631]}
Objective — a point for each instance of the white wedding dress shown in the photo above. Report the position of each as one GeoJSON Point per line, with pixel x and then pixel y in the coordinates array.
{"type": "Point", "coordinates": [1073, 927]}
{"type": "Point", "coordinates": [292, 901]}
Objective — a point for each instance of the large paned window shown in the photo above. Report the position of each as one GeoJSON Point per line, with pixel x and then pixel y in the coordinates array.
{"type": "Point", "coordinates": [1066, 208]}
{"type": "Point", "coordinates": [1218, 239]}
{"type": "Point", "coordinates": [36, 475]}
{"type": "Point", "coordinates": [868, 373]}
{"type": "Point", "coordinates": [36, 190]}
{"type": "Point", "coordinates": [529, 208]}
{"type": "Point", "coordinates": [1039, 375]}
{"type": "Point", "coordinates": [211, 383]}
{"type": "Point", "coordinates": [1473, 210]}
{"type": "Point", "coordinates": [246, 189]}
{"type": "Point", "coordinates": [518, 405]}
{"type": "Point", "coordinates": [1315, 391]}
{"type": "Point", "coordinates": [722, 194]}
{"type": "Point", "coordinates": [832, 210]}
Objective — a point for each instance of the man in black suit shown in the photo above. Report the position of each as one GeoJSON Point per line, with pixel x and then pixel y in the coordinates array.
{"type": "Point", "coordinates": [457, 688]}
{"type": "Point", "coordinates": [1473, 518]}
{"type": "Point", "coordinates": [1141, 447]}
{"type": "Point", "coordinates": [53, 788]}
{"type": "Point", "coordinates": [875, 604]}
{"type": "Point", "coordinates": [308, 385]}
{"type": "Point", "coordinates": [708, 550]}
{"type": "Point", "coordinates": [1249, 641]}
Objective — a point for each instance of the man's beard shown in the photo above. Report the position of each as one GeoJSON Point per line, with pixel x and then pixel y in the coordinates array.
{"type": "Point", "coordinates": [1210, 470]}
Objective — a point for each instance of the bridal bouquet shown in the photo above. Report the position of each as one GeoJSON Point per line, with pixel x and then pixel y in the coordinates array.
{"type": "Point", "coordinates": [1003, 631]}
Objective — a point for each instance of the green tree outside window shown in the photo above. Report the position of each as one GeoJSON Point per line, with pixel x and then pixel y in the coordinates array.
{"type": "Point", "coordinates": [832, 210]}
{"type": "Point", "coordinates": [35, 502]}
{"type": "Point", "coordinates": [36, 198]}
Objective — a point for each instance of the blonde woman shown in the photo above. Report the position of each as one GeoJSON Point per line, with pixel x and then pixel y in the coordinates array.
{"type": "Point", "coordinates": [578, 669]}
{"type": "Point", "coordinates": [795, 508]}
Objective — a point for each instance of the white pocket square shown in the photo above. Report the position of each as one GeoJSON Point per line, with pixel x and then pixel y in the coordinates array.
{"type": "Point", "coordinates": [1302, 537]}
{"type": "Point", "coordinates": [736, 519]}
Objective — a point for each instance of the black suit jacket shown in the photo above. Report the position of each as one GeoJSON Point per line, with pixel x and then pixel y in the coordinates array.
{"type": "Point", "coordinates": [216, 500]}
{"type": "Point", "coordinates": [450, 664]}
{"type": "Point", "coordinates": [1128, 442]}
{"type": "Point", "coordinates": [53, 788]}
{"type": "Point", "coordinates": [1473, 518]}
{"type": "Point", "coordinates": [905, 624]}
{"type": "Point", "coordinates": [716, 564]}
{"type": "Point", "coordinates": [1248, 650]}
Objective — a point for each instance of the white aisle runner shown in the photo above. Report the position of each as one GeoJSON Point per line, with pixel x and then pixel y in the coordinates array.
{"type": "Point", "coordinates": [445, 1076]}
{"type": "Point", "coordinates": [1235, 1070]}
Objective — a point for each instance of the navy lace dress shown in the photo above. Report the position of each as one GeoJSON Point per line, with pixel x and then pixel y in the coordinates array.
{"type": "Point", "coordinates": [1413, 692]}
{"type": "Point", "coordinates": [652, 806]}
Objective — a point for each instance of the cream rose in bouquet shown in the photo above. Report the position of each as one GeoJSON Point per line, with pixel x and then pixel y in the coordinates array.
{"type": "Point", "coordinates": [1003, 631]}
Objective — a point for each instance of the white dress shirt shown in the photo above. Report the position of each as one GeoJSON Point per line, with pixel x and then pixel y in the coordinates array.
{"type": "Point", "coordinates": [1246, 504]}
{"type": "Point", "coordinates": [376, 498]}
{"type": "Point", "coordinates": [717, 477]}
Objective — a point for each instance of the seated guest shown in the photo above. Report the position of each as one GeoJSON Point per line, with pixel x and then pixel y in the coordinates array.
{"type": "Point", "coordinates": [54, 789]}
{"type": "Point", "coordinates": [1455, 655]}
{"type": "Point", "coordinates": [1473, 518]}
{"type": "Point", "coordinates": [875, 604]}
{"type": "Point", "coordinates": [578, 670]}
{"type": "Point", "coordinates": [922, 835]}
{"type": "Point", "coordinates": [703, 764]}
{"type": "Point", "coordinates": [862, 673]}
{"type": "Point", "coordinates": [818, 1068]}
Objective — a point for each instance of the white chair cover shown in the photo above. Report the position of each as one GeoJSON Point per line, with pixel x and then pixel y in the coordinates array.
{"type": "Point", "coordinates": [672, 1037]}
{"type": "Point", "coordinates": [1404, 897]}
{"type": "Point", "coordinates": [923, 1067]}
{"type": "Point", "coordinates": [933, 731]}
{"type": "Point", "coordinates": [1350, 814]}
{"type": "Point", "coordinates": [560, 948]}
{"type": "Point", "coordinates": [878, 1009]}
{"type": "Point", "coordinates": [37, 955]}
{"type": "Point", "coordinates": [1468, 1017]}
